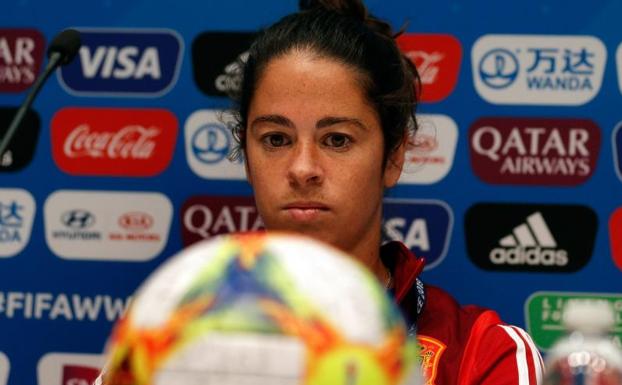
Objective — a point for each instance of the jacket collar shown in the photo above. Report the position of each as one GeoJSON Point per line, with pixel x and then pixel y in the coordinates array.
{"type": "Point", "coordinates": [404, 266]}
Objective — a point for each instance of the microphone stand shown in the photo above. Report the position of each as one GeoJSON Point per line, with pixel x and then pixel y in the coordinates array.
{"type": "Point", "coordinates": [55, 58]}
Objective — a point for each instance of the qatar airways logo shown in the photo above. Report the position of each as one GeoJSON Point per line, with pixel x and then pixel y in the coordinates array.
{"type": "Point", "coordinates": [21, 55]}
{"type": "Point", "coordinates": [557, 152]}
{"type": "Point", "coordinates": [203, 217]}
{"type": "Point", "coordinates": [116, 142]}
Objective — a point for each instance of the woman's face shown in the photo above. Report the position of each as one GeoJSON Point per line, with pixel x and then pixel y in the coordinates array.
{"type": "Point", "coordinates": [314, 153]}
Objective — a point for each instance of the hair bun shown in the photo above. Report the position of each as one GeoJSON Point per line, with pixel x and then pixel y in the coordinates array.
{"type": "Point", "coordinates": [352, 8]}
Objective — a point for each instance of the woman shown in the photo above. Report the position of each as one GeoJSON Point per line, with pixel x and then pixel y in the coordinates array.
{"type": "Point", "coordinates": [325, 113]}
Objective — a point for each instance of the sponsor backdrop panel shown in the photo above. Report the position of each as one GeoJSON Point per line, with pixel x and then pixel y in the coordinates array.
{"type": "Point", "coordinates": [512, 190]}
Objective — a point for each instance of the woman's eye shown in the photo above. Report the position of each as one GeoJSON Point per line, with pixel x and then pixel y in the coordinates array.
{"type": "Point", "coordinates": [275, 140]}
{"type": "Point", "coordinates": [337, 140]}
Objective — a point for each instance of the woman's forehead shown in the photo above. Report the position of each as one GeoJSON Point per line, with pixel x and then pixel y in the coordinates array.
{"type": "Point", "coordinates": [302, 80]}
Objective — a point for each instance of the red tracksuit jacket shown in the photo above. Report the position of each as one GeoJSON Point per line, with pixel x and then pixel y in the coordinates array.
{"type": "Point", "coordinates": [461, 345]}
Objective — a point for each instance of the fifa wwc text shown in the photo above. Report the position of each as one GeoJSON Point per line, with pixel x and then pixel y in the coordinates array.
{"type": "Point", "coordinates": [61, 306]}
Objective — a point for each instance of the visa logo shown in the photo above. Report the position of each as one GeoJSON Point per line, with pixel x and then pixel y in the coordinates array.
{"type": "Point", "coordinates": [116, 62]}
{"type": "Point", "coordinates": [413, 235]}
{"type": "Point", "coordinates": [124, 63]}
{"type": "Point", "coordinates": [424, 226]}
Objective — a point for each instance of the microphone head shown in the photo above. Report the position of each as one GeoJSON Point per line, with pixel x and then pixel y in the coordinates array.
{"type": "Point", "coordinates": [67, 43]}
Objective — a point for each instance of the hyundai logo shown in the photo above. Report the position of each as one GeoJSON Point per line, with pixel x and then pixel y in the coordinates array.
{"type": "Point", "coordinates": [78, 219]}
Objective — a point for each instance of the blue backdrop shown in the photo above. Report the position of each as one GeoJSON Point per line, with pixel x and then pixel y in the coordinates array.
{"type": "Point", "coordinates": [58, 298]}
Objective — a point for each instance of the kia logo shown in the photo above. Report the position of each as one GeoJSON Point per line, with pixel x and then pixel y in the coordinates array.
{"type": "Point", "coordinates": [78, 219]}
{"type": "Point", "coordinates": [425, 143]}
{"type": "Point", "coordinates": [136, 221]}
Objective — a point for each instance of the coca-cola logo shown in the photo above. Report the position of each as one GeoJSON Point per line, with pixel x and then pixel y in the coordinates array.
{"type": "Point", "coordinates": [534, 151]}
{"type": "Point", "coordinates": [437, 58]}
{"type": "Point", "coordinates": [116, 142]}
{"type": "Point", "coordinates": [615, 229]}
{"type": "Point", "coordinates": [130, 142]}
{"type": "Point", "coordinates": [136, 221]}
{"type": "Point", "coordinates": [427, 64]}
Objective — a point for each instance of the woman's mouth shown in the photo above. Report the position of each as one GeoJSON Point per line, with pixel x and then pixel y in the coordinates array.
{"type": "Point", "coordinates": [305, 211]}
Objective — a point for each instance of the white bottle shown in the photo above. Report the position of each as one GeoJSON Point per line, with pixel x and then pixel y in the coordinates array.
{"type": "Point", "coordinates": [587, 355]}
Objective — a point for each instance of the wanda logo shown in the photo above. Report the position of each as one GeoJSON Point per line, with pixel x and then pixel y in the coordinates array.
{"type": "Point", "coordinates": [136, 221]}
{"type": "Point", "coordinates": [115, 142]}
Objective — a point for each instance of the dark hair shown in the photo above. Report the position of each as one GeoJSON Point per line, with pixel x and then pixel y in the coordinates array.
{"type": "Point", "coordinates": [342, 30]}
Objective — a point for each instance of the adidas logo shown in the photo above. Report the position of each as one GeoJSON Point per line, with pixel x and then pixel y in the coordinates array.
{"type": "Point", "coordinates": [230, 81]}
{"type": "Point", "coordinates": [530, 243]}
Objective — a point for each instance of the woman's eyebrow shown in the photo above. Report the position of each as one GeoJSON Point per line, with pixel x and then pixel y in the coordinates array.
{"type": "Point", "coordinates": [275, 119]}
{"type": "Point", "coordinates": [332, 120]}
{"type": "Point", "coordinates": [322, 123]}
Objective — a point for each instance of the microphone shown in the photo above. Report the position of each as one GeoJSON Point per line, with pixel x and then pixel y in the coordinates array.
{"type": "Point", "coordinates": [62, 50]}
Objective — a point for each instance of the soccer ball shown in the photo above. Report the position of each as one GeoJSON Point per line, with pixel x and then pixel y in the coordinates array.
{"type": "Point", "coordinates": [261, 309]}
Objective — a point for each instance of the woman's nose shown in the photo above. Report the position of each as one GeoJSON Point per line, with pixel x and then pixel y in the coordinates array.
{"type": "Point", "coordinates": [305, 167]}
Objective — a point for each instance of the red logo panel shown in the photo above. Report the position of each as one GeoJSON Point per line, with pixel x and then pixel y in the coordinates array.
{"type": "Point", "coordinates": [203, 217]}
{"type": "Point", "coordinates": [615, 236]}
{"type": "Point", "coordinates": [21, 55]}
{"type": "Point", "coordinates": [113, 142]}
{"type": "Point", "coordinates": [79, 375]}
{"type": "Point", "coordinates": [530, 151]}
{"type": "Point", "coordinates": [437, 58]}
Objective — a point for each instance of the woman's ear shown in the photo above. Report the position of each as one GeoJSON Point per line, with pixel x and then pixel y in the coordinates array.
{"type": "Point", "coordinates": [395, 163]}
